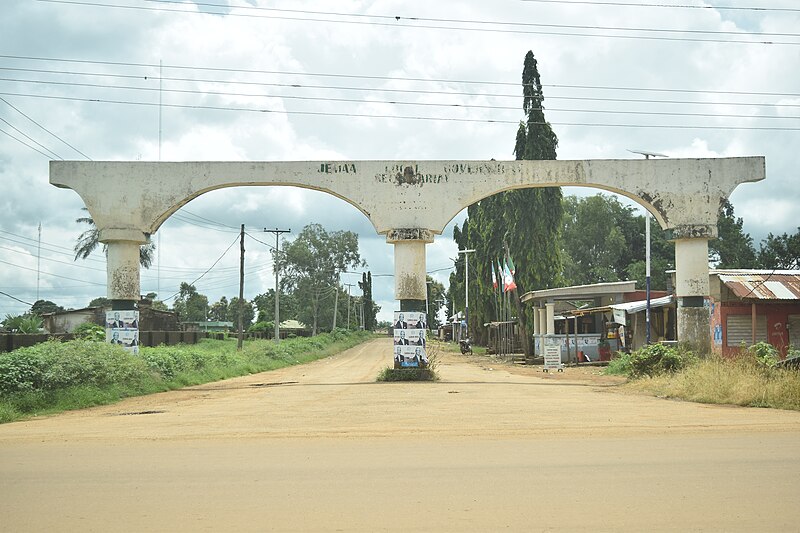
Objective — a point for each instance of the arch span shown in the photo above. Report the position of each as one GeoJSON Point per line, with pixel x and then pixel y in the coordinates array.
{"type": "Point", "coordinates": [411, 201]}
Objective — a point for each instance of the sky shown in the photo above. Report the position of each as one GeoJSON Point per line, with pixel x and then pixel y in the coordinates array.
{"type": "Point", "coordinates": [235, 80]}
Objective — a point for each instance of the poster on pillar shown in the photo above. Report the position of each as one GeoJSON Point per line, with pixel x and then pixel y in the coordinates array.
{"type": "Point", "coordinates": [410, 339]}
{"type": "Point", "coordinates": [122, 327]}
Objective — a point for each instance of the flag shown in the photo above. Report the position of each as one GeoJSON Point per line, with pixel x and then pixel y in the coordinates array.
{"type": "Point", "coordinates": [508, 279]}
{"type": "Point", "coordinates": [502, 276]}
{"type": "Point", "coordinates": [494, 278]}
{"type": "Point", "coordinates": [511, 266]}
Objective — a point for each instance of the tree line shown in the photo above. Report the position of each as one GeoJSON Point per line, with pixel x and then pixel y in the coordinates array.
{"type": "Point", "coordinates": [556, 241]}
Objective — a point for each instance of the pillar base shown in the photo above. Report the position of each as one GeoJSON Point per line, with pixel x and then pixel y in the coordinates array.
{"type": "Point", "coordinates": [694, 329]}
{"type": "Point", "coordinates": [417, 306]}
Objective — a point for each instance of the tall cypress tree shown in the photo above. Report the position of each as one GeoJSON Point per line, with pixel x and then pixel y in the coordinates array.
{"type": "Point", "coordinates": [525, 222]}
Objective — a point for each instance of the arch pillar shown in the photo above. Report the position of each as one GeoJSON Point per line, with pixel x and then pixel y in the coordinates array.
{"type": "Point", "coordinates": [692, 286]}
{"type": "Point", "coordinates": [409, 266]}
{"type": "Point", "coordinates": [122, 267]}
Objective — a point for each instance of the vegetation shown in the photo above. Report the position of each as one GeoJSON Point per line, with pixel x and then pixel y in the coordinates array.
{"type": "Point", "coordinates": [311, 266]}
{"type": "Point", "coordinates": [56, 376]}
{"type": "Point", "coordinates": [26, 323]}
{"type": "Point", "coordinates": [89, 240]}
{"type": "Point", "coordinates": [751, 379]}
{"type": "Point", "coordinates": [523, 224]}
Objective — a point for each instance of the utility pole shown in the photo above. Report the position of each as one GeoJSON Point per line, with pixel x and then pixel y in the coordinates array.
{"type": "Point", "coordinates": [466, 289]}
{"type": "Point", "coordinates": [38, 261]}
{"type": "Point", "coordinates": [277, 233]}
{"type": "Point", "coordinates": [647, 155]}
{"type": "Point", "coordinates": [348, 304]}
{"type": "Point", "coordinates": [335, 302]}
{"type": "Point", "coordinates": [240, 336]}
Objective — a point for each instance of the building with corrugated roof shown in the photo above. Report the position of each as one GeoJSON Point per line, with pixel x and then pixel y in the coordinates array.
{"type": "Point", "coordinates": [750, 306]}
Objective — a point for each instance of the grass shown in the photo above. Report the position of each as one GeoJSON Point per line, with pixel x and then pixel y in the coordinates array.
{"type": "Point", "coordinates": [52, 377]}
{"type": "Point", "coordinates": [715, 380]}
{"type": "Point", "coordinates": [407, 374]}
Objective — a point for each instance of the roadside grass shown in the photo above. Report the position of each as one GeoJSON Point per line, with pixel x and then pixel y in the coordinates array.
{"type": "Point", "coordinates": [751, 379]}
{"type": "Point", "coordinates": [57, 376]}
{"type": "Point", "coordinates": [740, 381]}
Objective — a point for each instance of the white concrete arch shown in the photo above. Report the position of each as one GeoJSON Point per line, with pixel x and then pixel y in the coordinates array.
{"type": "Point", "coordinates": [410, 202]}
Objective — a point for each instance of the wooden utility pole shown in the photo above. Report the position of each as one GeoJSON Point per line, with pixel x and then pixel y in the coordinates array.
{"type": "Point", "coordinates": [240, 337]}
{"type": "Point", "coordinates": [277, 233]}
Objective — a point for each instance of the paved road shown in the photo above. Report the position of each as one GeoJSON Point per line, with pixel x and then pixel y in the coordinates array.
{"type": "Point", "coordinates": [321, 447]}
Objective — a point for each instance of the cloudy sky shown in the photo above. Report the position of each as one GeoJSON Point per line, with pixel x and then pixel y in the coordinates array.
{"type": "Point", "coordinates": [246, 80]}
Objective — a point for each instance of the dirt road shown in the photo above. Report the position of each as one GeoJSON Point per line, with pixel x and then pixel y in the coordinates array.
{"type": "Point", "coordinates": [322, 447]}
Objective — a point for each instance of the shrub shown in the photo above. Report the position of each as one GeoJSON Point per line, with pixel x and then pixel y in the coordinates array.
{"type": "Point", "coordinates": [764, 353]}
{"type": "Point", "coordinates": [90, 331]}
{"type": "Point", "coordinates": [658, 359]}
{"type": "Point", "coordinates": [620, 365]}
{"type": "Point", "coordinates": [262, 327]}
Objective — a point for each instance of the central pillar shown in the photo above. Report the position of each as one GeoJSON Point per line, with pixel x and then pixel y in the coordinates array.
{"type": "Point", "coordinates": [692, 288]}
{"type": "Point", "coordinates": [409, 266]}
{"type": "Point", "coordinates": [123, 274]}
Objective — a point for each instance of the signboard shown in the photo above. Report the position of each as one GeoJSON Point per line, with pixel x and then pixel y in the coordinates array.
{"type": "Point", "coordinates": [122, 327]}
{"type": "Point", "coordinates": [552, 356]}
{"type": "Point", "coordinates": [409, 339]}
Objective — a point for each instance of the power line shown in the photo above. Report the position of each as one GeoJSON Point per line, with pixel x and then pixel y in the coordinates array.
{"type": "Point", "coordinates": [406, 117]}
{"type": "Point", "coordinates": [446, 105]}
{"type": "Point", "coordinates": [24, 143]}
{"type": "Point", "coordinates": [34, 141]}
{"type": "Point", "coordinates": [51, 274]}
{"type": "Point", "coordinates": [397, 24]}
{"type": "Point", "coordinates": [671, 6]}
{"type": "Point", "coordinates": [347, 76]}
{"type": "Point", "coordinates": [43, 128]}
{"type": "Point", "coordinates": [15, 298]}
{"type": "Point", "coordinates": [208, 270]}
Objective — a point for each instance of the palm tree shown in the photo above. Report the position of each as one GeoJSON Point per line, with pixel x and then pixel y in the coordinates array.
{"type": "Point", "coordinates": [89, 239]}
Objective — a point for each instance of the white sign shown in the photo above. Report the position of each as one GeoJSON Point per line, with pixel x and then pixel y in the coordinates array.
{"type": "Point", "coordinates": [552, 356]}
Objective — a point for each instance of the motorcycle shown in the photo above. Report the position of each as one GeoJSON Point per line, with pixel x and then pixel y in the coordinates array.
{"type": "Point", "coordinates": [466, 347]}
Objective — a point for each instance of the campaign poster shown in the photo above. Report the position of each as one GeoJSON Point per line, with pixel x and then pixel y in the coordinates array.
{"type": "Point", "coordinates": [410, 356]}
{"type": "Point", "coordinates": [409, 320]}
{"type": "Point", "coordinates": [410, 339]}
{"type": "Point", "coordinates": [122, 327]}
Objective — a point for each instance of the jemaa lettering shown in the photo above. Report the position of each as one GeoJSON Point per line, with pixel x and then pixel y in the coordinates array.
{"type": "Point", "coordinates": [337, 168]}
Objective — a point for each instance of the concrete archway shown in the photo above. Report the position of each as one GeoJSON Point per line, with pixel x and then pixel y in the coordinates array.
{"type": "Point", "coordinates": [412, 201]}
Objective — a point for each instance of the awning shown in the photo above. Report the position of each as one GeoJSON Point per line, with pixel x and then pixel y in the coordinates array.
{"type": "Point", "coordinates": [641, 305]}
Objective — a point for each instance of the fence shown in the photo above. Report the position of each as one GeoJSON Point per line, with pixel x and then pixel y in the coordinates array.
{"type": "Point", "coordinates": [12, 341]}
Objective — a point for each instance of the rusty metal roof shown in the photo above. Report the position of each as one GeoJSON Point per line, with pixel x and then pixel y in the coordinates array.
{"type": "Point", "coordinates": [762, 284]}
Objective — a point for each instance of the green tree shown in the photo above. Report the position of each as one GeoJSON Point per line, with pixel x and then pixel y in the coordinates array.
{"type": "Point", "coordinates": [604, 240]}
{"type": "Point", "coordinates": [368, 304]}
{"type": "Point", "coordinates": [780, 252]}
{"type": "Point", "coordinates": [89, 240]}
{"type": "Point", "coordinates": [733, 248]}
{"type": "Point", "coordinates": [312, 264]}
{"type": "Point", "coordinates": [523, 224]}
{"type": "Point", "coordinates": [218, 311]}
{"type": "Point", "coordinates": [436, 295]}
{"type": "Point", "coordinates": [265, 304]}
{"type": "Point", "coordinates": [190, 305]}
{"type": "Point", "coordinates": [248, 313]}
{"type": "Point", "coordinates": [41, 307]}
{"type": "Point", "coordinates": [100, 301]}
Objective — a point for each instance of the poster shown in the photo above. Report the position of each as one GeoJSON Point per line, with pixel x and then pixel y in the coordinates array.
{"type": "Point", "coordinates": [122, 327]}
{"type": "Point", "coordinates": [410, 339]}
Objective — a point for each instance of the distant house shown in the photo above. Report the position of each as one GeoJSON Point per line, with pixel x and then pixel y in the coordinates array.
{"type": "Point", "coordinates": [149, 319]}
{"type": "Point", "coordinates": [211, 326]}
{"type": "Point", "coordinates": [749, 306]}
